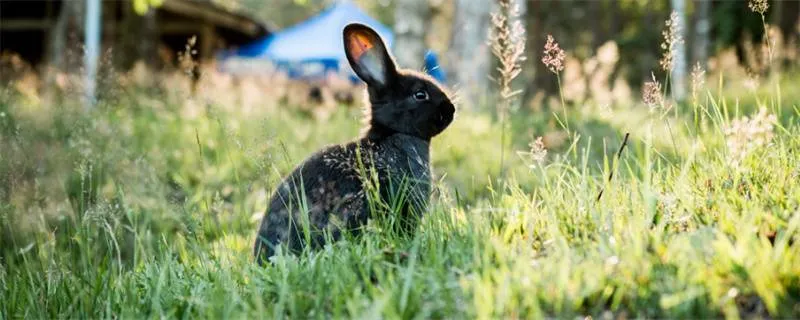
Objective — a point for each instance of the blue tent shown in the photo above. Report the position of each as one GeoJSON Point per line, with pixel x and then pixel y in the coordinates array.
{"type": "Point", "coordinates": [316, 41]}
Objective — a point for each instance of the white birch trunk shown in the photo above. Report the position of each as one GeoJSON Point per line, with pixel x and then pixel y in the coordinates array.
{"type": "Point", "coordinates": [702, 30]}
{"type": "Point", "coordinates": [469, 55]}
{"type": "Point", "coordinates": [92, 50]}
{"type": "Point", "coordinates": [70, 15]}
{"type": "Point", "coordinates": [679, 54]}
{"type": "Point", "coordinates": [411, 23]}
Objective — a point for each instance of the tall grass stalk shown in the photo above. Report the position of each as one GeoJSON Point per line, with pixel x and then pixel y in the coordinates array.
{"type": "Point", "coordinates": [761, 7]}
{"type": "Point", "coordinates": [563, 104]}
{"type": "Point", "coordinates": [672, 37]}
{"type": "Point", "coordinates": [507, 41]}
{"type": "Point", "coordinates": [553, 58]}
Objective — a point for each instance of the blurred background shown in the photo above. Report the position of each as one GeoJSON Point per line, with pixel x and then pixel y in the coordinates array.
{"type": "Point", "coordinates": [447, 37]}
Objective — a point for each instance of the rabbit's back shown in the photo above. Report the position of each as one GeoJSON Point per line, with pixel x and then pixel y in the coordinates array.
{"type": "Point", "coordinates": [326, 193]}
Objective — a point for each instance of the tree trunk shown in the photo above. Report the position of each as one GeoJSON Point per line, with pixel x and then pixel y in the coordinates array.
{"type": "Point", "coordinates": [542, 22]}
{"type": "Point", "coordinates": [786, 15]}
{"type": "Point", "coordinates": [148, 50]}
{"type": "Point", "coordinates": [67, 24]}
{"type": "Point", "coordinates": [69, 19]}
{"type": "Point", "coordinates": [616, 20]}
{"type": "Point", "coordinates": [600, 33]}
{"type": "Point", "coordinates": [91, 54]}
{"type": "Point", "coordinates": [679, 54]}
{"type": "Point", "coordinates": [469, 52]}
{"type": "Point", "coordinates": [529, 70]}
{"type": "Point", "coordinates": [411, 22]}
{"type": "Point", "coordinates": [702, 30]}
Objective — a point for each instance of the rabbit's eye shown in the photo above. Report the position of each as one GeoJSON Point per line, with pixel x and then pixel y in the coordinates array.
{"type": "Point", "coordinates": [421, 95]}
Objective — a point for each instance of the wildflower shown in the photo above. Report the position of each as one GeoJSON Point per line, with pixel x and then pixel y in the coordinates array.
{"type": "Point", "coordinates": [538, 152]}
{"type": "Point", "coordinates": [554, 56]}
{"type": "Point", "coordinates": [651, 94]}
{"type": "Point", "coordinates": [507, 41]}
{"type": "Point", "coordinates": [672, 37]}
{"type": "Point", "coordinates": [745, 135]}
{"type": "Point", "coordinates": [758, 6]}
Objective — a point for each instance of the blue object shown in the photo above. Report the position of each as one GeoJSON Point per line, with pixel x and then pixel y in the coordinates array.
{"type": "Point", "coordinates": [316, 41]}
{"type": "Point", "coordinates": [433, 68]}
{"type": "Point", "coordinates": [314, 47]}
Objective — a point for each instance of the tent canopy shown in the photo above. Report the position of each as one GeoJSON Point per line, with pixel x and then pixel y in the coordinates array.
{"type": "Point", "coordinates": [318, 39]}
{"type": "Point", "coordinates": [314, 47]}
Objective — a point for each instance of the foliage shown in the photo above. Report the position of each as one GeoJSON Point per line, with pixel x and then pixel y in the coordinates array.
{"type": "Point", "coordinates": [141, 6]}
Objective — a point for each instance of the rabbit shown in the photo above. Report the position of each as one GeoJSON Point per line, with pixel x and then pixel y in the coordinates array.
{"type": "Point", "coordinates": [327, 194]}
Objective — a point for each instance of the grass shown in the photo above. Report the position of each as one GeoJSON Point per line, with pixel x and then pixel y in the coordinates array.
{"type": "Point", "coordinates": [147, 207]}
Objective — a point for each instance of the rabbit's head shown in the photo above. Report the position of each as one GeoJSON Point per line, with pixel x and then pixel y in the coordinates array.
{"type": "Point", "coordinates": [401, 101]}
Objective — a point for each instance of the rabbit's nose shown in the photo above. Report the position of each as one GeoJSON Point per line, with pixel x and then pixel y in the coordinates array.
{"type": "Point", "coordinates": [447, 108]}
{"type": "Point", "coordinates": [445, 114]}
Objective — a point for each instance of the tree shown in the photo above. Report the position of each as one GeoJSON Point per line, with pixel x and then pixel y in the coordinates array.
{"type": "Point", "coordinates": [679, 53]}
{"type": "Point", "coordinates": [702, 30]}
{"type": "Point", "coordinates": [412, 19]}
{"type": "Point", "coordinates": [142, 6]}
{"type": "Point", "coordinates": [469, 51]}
{"type": "Point", "coordinates": [69, 19]}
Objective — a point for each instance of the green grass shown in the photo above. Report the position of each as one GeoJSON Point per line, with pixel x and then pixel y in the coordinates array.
{"type": "Point", "coordinates": [144, 209]}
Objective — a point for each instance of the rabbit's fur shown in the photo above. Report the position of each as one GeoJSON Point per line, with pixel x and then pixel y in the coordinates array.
{"type": "Point", "coordinates": [328, 193]}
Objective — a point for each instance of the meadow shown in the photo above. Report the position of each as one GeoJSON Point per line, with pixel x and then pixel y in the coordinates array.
{"type": "Point", "coordinates": [146, 206]}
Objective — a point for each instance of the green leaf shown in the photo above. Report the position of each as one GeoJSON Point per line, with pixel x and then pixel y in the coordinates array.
{"type": "Point", "coordinates": [141, 6]}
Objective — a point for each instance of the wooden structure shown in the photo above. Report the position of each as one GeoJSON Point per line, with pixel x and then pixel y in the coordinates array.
{"type": "Point", "coordinates": [40, 31]}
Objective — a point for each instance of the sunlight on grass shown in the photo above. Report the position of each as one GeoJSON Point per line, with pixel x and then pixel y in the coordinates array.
{"type": "Point", "coordinates": [167, 231]}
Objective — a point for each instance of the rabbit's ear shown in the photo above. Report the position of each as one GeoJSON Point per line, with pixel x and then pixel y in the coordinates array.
{"type": "Point", "coordinates": [367, 55]}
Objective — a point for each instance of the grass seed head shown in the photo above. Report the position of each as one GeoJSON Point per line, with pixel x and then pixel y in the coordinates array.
{"type": "Point", "coordinates": [651, 94]}
{"type": "Point", "coordinates": [553, 57]}
{"type": "Point", "coordinates": [507, 42]}
{"type": "Point", "coordinates": [758, 6]}
{"type": "Point", "coordinates": [538, 152]}
{"type": "Point", "coordinates": [698, 78]}
{"type": "Point", "coordinates": [672, 37]}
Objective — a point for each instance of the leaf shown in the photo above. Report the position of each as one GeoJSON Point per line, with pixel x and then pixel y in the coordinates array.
{"type": "Point", "coordinates": [140, 7]}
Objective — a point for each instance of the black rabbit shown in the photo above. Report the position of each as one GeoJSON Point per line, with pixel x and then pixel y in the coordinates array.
{"type": "Point", "coordinates": [329, 192]}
